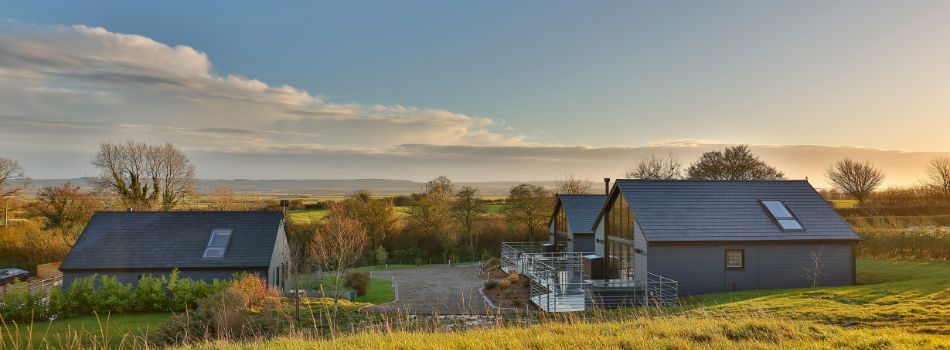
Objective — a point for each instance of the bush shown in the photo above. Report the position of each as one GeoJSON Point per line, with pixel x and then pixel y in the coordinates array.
{"type": "Point", "coordinates": [149, 294]}
{"type": "Point", "coordinates": [357, 281]}
{"type": "Point", "coordinates": [246, 309]}
{"type": "Point", "coordinates": [516, 302]}
{"type": "Point", "coordinates": [19, 305]}
{"type": "Point", "coordinates": [255, 292]}
{"type": "Point", "coordinates": [489, 284]}
{"type": "Point", "coordinates": [505, 283]}
{"type": "Point", "coordinates": [112, 296]}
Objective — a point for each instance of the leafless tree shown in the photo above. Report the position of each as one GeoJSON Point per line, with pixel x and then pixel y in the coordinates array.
{"type": "Point", "coordinates": [145, 176]}
{"type": "Point", "coordinates": [656, 168]}
{"type": "Point", "coordinates": [530, 206]}
{"type": "Point", "coordinates": [733, 163]}
{"type": "Point", "coordinates": [814, 272]}
{"type": "Point", "coordinates": [573, 185]}
{"type": "Point", "coordinates": [338, 243]}
{"type": "Point", "coordinates": [938, 176]}
{"type": "Point", "coordinates": [66, 208]}
{"type": "Point", "coordinates": [13, 182]}
{"type": "Point", "coordinates": [466, 209]}
{"type": "Point", "coordinates": [856, 179]}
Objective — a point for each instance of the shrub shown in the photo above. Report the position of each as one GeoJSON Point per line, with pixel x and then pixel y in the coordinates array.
{"type": "Point", "coordinates": [505, 283]}
{"type": "Point", "coordinates": [80, 297]}
{"type": "Point", "coordinates": [489, 284]}
{"type": "Point", "coordinates": [492, 264]}
{"type": "Point", "coordinates": [112, 295]}
{"type": "Point", "coordinates": [255, 292]}
{"type": "Point", "coordinates": [186, 292]}
{"type": "Point", "coordinates": [357, 281]}
{"type": "Point", "coordinates": [513, 277]}
{"type": "Point", "coordinates": [526, 282]}
{"type": "Point", "coordinates": [516, 302]}
{"type": "Point", "coordinates": [22, 306]}
{"type": "Point", "coordinates": [149, 294]}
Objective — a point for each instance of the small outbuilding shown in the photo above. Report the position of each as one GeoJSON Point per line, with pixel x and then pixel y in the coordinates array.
{"type": "Point", "coordinates": [717, 236]}
{"type": "Point", "coordinates": [200, 245]}
{"type": "Point", "coordinates": [570, 226]}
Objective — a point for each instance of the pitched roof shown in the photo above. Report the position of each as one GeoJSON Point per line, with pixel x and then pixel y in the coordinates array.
{"type": "Point", "coordinates": [699, 210]}
{"type": "Point", "coordinates": [581, 210]}
{"type": "Point", "coordinates": [165, 240]}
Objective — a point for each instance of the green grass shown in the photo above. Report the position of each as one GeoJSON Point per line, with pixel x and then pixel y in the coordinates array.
{"type": "Point", "coordinates": [380, 289]}
{"type": "Point", "coordinates": [319, 214]}
{"type": "Point", "coordinates": [83, 329]}
{"type": "Point", "coordinates": [912, 295]}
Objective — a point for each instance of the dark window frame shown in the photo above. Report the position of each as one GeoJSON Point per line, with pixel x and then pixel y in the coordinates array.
{"type": "Point", "coordinates": [741, 260]}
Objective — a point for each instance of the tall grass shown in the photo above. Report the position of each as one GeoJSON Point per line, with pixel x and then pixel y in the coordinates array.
{"type": "Point", "coordinates": [890, 237]}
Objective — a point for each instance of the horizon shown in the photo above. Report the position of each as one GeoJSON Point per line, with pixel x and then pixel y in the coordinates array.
{"type": "Point", "coordinates": [344, 91]}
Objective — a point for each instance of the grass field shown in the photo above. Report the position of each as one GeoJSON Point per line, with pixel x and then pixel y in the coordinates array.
{"type": "Point", "coordinates": [110, 330]}
{"type": "Point", "coordinates": [318, 214]}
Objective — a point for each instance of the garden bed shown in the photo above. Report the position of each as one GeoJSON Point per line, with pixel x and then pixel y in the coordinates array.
{"type": "Point", "coordinates": [507, 291]}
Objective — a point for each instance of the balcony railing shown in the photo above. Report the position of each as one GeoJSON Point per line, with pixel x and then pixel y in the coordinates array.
{"type": "Point", "coordinates": [558, 284]}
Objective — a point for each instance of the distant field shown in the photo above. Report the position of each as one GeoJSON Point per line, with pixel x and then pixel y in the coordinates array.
{"type": "Point", "coordinates": [319, 214]}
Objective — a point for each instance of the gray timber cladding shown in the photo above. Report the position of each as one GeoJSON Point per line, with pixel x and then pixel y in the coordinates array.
{"type": "Point", "coordinates": [581, 210]}
{"type": "Point", "coordinates": [687, 210]}
{"type": "Point", "coordinates": [167, 240]}
{"type": "Point", "coordinates": [701, 268]}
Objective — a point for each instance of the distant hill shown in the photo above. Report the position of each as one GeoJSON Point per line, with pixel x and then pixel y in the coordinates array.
{"type": "Point", "coordinates": [326, 187]}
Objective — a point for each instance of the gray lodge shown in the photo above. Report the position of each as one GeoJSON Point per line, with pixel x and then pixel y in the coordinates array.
{"type": "Point", "coordinates": [657, 239]}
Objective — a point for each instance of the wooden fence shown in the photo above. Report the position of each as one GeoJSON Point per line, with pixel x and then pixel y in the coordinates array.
{"type": "Point", "coordinates": [35, 286]}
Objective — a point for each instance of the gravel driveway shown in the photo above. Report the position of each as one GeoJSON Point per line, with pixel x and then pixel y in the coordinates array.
{"type": "Point", "coordinates": [434, 290]}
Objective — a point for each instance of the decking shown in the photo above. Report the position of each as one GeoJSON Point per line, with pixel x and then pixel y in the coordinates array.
{"type": "Point", "coordinates": [558, 284]}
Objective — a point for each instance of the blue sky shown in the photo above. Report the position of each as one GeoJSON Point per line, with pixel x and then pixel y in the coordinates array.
{"type": "Point", "coordinates": [545, 73]}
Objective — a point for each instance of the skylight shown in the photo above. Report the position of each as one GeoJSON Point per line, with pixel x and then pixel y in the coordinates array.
{"type": "Point", "coordinates": [218, 243]}
{"type": "Point", "coordinates": [784, 217]}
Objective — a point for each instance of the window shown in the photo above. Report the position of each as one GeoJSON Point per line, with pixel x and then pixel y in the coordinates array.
{"type": "Point", "coordinates": [735, 259]}
{"type": "Point", "coordinates": [784, 217]}
{"type": "Point", "coordinates": [217, 244]}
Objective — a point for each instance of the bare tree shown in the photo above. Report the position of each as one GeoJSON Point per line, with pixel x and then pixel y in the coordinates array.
{"type": "Point", "coordinates": [938, 176]}
{"type": "Point", "coordinates": [733, 163]}
{"type": "Point", "coordinates": [145, 176]}
{"type": "Point", "coordinates": [466, 209]}
{"type": "Point", "coordinates": [66, 208]}
{"type": "Point", "coordinates": [13, 182]}
{"type": "Point", "coordinates": [656, 168]}
{"type": "Point", "coordinates": [573, 185]}
{"type": "Point", "coordinates": [814, 272]}
{"type": "Point", "coordinates": [338, 243]}
{"type": "Point", "coordinates": [530, 206]}
{"type": "Point", "coordinates": [856, 179]}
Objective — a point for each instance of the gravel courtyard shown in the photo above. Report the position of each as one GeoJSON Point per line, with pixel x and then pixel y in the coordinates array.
{"type": "Point", "coordinates": [434, 290]}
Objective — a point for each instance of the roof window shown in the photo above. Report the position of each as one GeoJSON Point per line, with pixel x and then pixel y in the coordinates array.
{"type": "Point", "coordinates": [784, 217]}
{"type": "Point", "coordinates": [218, 243]}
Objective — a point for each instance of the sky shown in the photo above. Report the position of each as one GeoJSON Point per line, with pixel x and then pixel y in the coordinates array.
{"type": "Point", "coordinates": [488, 90]}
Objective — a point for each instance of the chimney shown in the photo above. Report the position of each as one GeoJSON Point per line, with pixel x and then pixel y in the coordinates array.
{"type": "Point", "coordinates": [283, 206]}
{"type": "Point", "coordinates": [607, 185]}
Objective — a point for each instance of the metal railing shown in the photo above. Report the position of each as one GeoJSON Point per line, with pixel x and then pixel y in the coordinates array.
{"type": "Point", "coordinates": [558, 284]}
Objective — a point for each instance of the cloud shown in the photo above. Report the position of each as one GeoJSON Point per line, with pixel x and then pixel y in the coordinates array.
{"type": "Point", "coordinates": [105, 85]}
{"type": "Point", "coordinates": [66, 89]}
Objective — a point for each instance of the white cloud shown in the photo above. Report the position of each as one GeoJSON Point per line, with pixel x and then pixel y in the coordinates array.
{"type": "Point", "coordinates": [130, 86]}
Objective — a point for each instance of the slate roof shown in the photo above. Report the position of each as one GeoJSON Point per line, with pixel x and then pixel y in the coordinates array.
{"type": "Point", "coordinates": [698, 210]}
{"type": "Point", "coordinates": [166, 240]}
{"type": "Point", "coordinates": [581, 210]}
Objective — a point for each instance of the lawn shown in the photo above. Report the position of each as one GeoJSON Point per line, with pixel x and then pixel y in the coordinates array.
{"type": "Point", "coordinates": [318, 214]}
{"type": "Point", "coordinates": [84, 329]}
{"type": "Point", "coordinates": [380, 289]}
